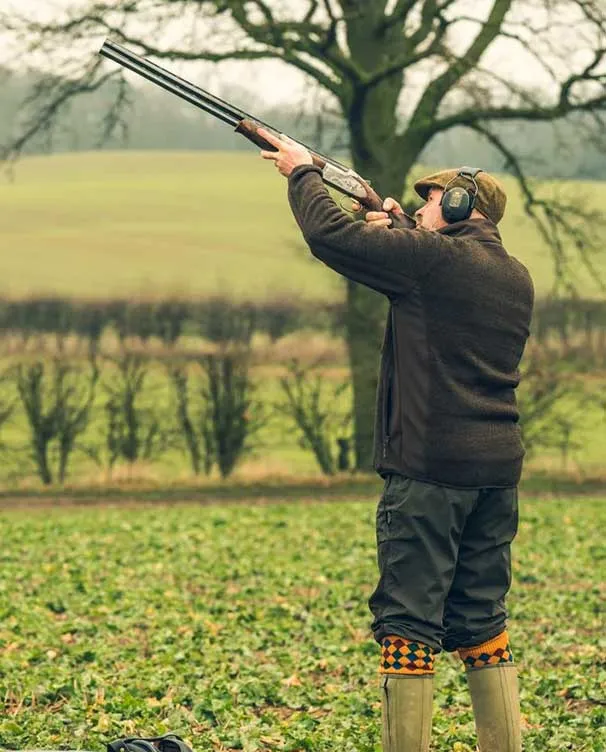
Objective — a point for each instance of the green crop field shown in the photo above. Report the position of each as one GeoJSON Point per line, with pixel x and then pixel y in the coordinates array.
{"type": "Point", "coordinates": [127, 223]}
{"type": "Point", "coordinates": [246, 627]}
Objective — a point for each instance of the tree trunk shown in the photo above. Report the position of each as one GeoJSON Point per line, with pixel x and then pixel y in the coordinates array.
{"type": "Point", "coordinates": [371, 115]}
{"type": "Point", "coordinates": [367, 309]}
{"type": "Point", "coordinates": [42, 463]}
{"type": "Point", "coordinates": [365, 318]}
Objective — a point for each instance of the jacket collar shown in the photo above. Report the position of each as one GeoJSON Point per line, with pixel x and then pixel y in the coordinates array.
{"type": "Point", "coordinates": [474, 229]}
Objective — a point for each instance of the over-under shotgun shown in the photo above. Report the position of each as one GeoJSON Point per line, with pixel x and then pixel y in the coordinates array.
{"type": "Point", "coordinates": [334, 174]}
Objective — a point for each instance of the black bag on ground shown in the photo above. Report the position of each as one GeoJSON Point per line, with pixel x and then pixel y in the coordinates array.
{"type": "Point", "coordinates": [165, 743]}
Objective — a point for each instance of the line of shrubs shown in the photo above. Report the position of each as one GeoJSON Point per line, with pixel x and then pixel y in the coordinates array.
{"type": "Point", "coordinates": [220, 318]}
{"type": "Point", "coordinates": [571, 321]}
{"type": "Point", "coordinates": [216, 319]}
{"type": "Point", "coordinates": [128, 407]}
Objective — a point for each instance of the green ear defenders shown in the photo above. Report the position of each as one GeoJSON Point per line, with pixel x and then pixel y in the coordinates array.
{"type": "Point", "coordinates": [457, 203]}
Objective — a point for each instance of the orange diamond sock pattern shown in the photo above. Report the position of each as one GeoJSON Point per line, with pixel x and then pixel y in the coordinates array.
{"type": "Point", "coordinates": [489, 653]}
{"type": "Point", "coordinates": [402, 656]}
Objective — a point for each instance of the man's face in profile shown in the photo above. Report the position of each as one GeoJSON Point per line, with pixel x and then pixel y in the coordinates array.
{"type": "Point", "coordinates": [429, 216]}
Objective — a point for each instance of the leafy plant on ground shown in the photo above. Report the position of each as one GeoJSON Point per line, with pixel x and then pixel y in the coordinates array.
{"type": "Point", "coordinates": [246, 627]}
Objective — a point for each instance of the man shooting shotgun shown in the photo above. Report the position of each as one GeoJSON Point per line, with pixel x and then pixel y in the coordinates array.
{"type": "Point", "coordinates": [447, 439]}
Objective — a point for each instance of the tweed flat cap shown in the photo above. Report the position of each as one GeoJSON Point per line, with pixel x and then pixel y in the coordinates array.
{"type": "Point", "coordinates": [491, 199]}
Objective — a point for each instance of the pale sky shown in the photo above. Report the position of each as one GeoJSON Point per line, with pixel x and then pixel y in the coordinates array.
{"type": "Point", "coordinates": [279, 82]}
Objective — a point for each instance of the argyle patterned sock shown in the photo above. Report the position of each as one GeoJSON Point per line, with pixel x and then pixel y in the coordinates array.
{"type": "Point", "coordinates": [489, 653]}
{"type": "Point", "coordinates": [405, 657]}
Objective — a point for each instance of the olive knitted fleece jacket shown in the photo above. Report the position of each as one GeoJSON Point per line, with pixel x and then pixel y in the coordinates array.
{"type": "Point", "coordinates": [459, 318]}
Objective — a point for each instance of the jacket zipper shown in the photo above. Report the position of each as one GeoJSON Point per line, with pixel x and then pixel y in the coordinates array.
{"type": "Point", "coordinates": [386, 411]}
{"type": "Point", "coordinates": [388, 385]}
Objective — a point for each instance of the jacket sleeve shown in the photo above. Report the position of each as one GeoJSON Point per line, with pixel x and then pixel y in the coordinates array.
{"type": "Point", "coordinates": [386, 259]}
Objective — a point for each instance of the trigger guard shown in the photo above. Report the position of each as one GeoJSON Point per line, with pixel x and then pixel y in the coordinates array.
{"type": "Point", "coordinates": [349, 210]}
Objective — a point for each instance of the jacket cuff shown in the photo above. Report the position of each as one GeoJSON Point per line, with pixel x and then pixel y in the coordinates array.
{"type": "Point", "coordinates": [302, 170]}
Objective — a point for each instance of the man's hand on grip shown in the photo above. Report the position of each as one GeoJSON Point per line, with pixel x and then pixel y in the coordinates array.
{"type": "Point", "coordinates": [382, 218]}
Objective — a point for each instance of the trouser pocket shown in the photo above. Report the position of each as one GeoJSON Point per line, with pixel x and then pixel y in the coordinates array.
{"type": "Point", "coordinates": [391, 521]}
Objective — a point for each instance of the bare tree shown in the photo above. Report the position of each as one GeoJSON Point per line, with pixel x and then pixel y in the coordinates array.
{"type": "Point", "coordinates": [57, 397]}
{"type": "Point", "coordinates": [194, 418]}
{"type": "Point", "coordinates": [399, 72]}
{"type": "Point", "coordinates": [135, 428]}
{"type": "Point", "coordinates": [313, 406]}
{"type": "Point", "coordinates": [232, 416]}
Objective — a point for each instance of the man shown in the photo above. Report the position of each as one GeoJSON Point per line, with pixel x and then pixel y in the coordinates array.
{"type": "Point", "coordinates": [447, 437]}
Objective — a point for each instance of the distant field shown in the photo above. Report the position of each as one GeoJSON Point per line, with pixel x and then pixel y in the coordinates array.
{"type": "Point", "coordinates": [121, 223]}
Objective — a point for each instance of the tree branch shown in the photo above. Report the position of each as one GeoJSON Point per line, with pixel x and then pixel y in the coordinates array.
{"type": "Point", "coordinates": [408, 58]}
{"type": "Point", "coordinates": [398, 15]}
{"type": "Point", "coordinates": [51, 94]}
{"type": "Point", "coordinates": [434, 94]}
{"type": "Point", "coordinates": [564, 107]}
{"type": "Point", "coordinates": [560, 224]}
{"type": "Point", "coordinates": [290, 37]}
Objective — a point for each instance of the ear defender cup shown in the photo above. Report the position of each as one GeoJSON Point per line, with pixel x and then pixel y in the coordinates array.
{"type": "Point", "coordinates": [457, 203]}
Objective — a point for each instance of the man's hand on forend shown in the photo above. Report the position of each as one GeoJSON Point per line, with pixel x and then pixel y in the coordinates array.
{"type": "Point", "coordinates": [290, 154]}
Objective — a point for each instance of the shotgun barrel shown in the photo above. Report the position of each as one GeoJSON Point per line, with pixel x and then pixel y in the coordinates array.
{"type": "Point", "coordinates": [191, 93]}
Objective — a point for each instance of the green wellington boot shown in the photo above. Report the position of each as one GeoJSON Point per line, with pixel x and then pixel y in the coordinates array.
{"type": "Point", "coordinates": [496, 707]}
{"type": "Point", "coordinates": [407, 708]}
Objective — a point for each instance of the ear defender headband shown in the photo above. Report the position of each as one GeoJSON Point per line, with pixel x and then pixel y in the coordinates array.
{"type": "Point", "coordinates": [457, 203]}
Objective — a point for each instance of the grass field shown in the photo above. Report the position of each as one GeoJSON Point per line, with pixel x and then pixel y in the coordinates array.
{"type": "Point", "coordinates": [246, 627]}
{"type": "Point", "coordinates": [128, 223]}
